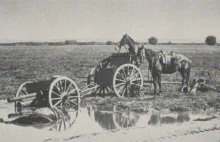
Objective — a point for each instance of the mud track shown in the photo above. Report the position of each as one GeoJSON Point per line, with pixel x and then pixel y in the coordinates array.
{"type": "Point", "coordinates": [149, 134]}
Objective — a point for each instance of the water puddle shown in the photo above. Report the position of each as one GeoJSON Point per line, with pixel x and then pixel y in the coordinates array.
{"type": "Point", "coordinates": [96, 119]}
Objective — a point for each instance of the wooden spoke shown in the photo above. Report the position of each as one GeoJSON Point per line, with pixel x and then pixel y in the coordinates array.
{"type": "Point", "coordinates": [134, 76]}
{"type": "Point", "coordinates": [121, 76]}
{"type": "Point", "coordinates": [55, 99]}
{"type": "Point", "coordinates": [72, 102]}
{"type": "Point", "coordinates": [67, 90]}
{"type": "Point", "coordinates": [120, 84]}
{"type": "Point", "coordinates": [124, 73]}
{"type": "Point", "coordinates": [64, 124]}
{"type": "Point", "coordinates": [58, 102]}
{"type": "Point", "coordinates": [123, 92]}
{"type": "Point", "coordinates": [102, 91]}
{"type": "Point", "coordinates": [136, 79]}
{"type": "Point", "coordinates": [61, 87]}
{"type": "Point", "coordinates": [60, 125]}
{"type": "Point", "coordinates": [56, 93]}
{"type": "Point", "coordinates": [64, 86]}
{"type": "Point", "coordinates": [119, 90]}
{"type": "Point", "coordinates": [57, 88]}
{"type": "Point", "coordinates": [131, 71]}
{"type": "Point", "coordinates": [74, 90]}
{"type": "Point", "coordinates": [119, 80]}
{"type": "Point", "coordinates": [107, 89]}
{"type": "Point", "coordinates": [61, 104]}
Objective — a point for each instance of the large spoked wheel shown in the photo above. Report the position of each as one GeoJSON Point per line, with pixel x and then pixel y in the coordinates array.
{"type": "Point", "coordinates": [64, 93]}
{"type": "Point", "coordinates": [127, 81]}
{"type": "Point", "coordinates": [22, 91]}
{"type": "Point", "coordinates": [101, 89]}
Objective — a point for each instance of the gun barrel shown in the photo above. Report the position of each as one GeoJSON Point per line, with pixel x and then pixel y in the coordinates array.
{"type": "Point", "coordinates": [30, 96]}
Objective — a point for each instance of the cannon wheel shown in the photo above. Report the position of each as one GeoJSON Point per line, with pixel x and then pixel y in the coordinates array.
{"type": "Point", "coordinates": [101, 90]}
{"type": "Point", "coordinates": [64, 93]}
{"type": "Point", "coordinates": [22, 91]}
{"type": "Point", "coordinates": [127, 81]}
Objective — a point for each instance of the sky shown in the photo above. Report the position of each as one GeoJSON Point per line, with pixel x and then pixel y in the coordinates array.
{"type": "Point", "coordinates": [102, 20]}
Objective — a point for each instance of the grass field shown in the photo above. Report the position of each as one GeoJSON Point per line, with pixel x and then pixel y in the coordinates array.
{"type": "Point", "coordinates": [23, 63]}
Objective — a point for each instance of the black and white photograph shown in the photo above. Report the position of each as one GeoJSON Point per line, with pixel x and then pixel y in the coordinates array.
{"type": "Point", "coordinates": [110, 70]}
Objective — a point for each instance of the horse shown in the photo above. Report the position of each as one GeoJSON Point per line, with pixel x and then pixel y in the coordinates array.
{"type": "Point", "coordinates": [131, 50]}
{"type": "Point", "coordinates": [160, 63]}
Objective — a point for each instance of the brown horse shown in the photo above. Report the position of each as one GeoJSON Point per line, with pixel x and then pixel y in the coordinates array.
{"type": "Point", "coordinates": [130, 42]}
{"type": "Point", "coordinates": [127, 40]}
{"type": "Point", "coordinates": [167, 64]}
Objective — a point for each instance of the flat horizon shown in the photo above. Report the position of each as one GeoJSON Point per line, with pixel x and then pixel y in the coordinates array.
{"type": "Point", "coordinates": [105, 40]}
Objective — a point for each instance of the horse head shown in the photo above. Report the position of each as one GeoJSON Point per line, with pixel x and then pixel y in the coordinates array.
{"type": "Point", "coordinates": [145, 53]}
{"type": "Point", "coordinates": [123, 41]}
{"type": "Point", "coordinates": [140, 54]}
{"type": "Point", "coordinates": [129, 41]}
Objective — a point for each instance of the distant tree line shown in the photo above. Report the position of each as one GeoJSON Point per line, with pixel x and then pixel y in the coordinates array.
{"type": "Point", "coordinates": [152, 40]}
{"type": "Point", "coordinates": [210, 40]}
{"type": "Point", "coordinates": [67, 42]}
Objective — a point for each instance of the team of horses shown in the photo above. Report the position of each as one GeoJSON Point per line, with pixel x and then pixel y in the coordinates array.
{"type": "Point", "coordinates": [159, 63]}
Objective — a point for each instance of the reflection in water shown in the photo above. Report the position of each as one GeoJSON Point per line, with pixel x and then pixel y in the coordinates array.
{"type": "Point", "coordinates": [46, 118]}
{"type": "Point", "coordinates": [111, 119]}
{"type": "Point", "coordinates": [158, 118]}
{"type": "Point", "coordinates": [99, 117]}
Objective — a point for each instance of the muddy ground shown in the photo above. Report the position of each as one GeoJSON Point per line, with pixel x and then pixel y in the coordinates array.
{"type": "Point", "coordinates": [20, 64]}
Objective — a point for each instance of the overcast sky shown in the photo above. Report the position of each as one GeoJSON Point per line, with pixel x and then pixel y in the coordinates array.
{"type": "Point", "coordinates": [101, 20]}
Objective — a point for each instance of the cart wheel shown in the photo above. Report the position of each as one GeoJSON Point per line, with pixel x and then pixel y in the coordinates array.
{"type": "Point", "coordinates": [127, 81]}
{"type": "Point", "coordinates": [64, 93]}
{"type": "Point", "coordinates": [101, 90]}
{"type": "Point", "coordinates": [22, 91]}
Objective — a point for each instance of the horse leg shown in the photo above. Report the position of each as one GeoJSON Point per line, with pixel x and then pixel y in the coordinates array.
{"type": "Point", "coordinates": [188, 77]}
{"type": "Point", "coordinates": [154, 82]}
{"type": "Point", "coordinates": [183, 80]}
{"type": "Point", "coordinates": [159, 81]}
{"type": "Point", "coordinates": [187, 80]}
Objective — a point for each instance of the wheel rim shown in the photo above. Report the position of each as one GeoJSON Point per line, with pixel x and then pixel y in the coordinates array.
{"type": "Point", "coordinates": [90, 79]}
{"type": "Point", "coordinates": [127, 81]}
{"type": "Point", "coordinates": [64, 93]}
{"type": "Point", "coordinates": [22, 91]}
